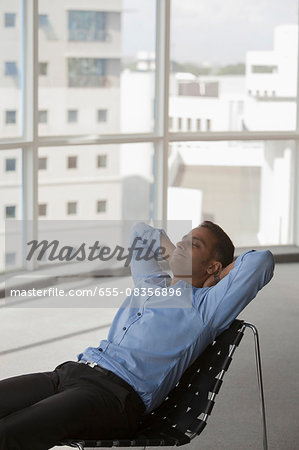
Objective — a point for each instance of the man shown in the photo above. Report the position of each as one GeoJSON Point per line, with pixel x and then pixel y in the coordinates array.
{"type": "Point", "coordinates": [158, 332]}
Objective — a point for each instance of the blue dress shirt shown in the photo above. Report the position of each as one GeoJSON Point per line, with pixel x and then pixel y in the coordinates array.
{"type": "Point", "coordinates": [154, 338]}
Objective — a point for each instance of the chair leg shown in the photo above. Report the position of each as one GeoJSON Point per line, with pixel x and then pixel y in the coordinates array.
{"type": "Point", "coordinates": [78, 445]}
{"type": "Point", "coordinates": [260, 381]}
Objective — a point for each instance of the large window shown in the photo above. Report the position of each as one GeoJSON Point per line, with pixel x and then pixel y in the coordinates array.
{"type": "Point", "coordinates": [98, 59]}
{"type": "Point", "coordinates": [235, 66]}
{"type": "Point", "coordinates": [245, 187]}
{"type": "Point", "coordinates": [112, 182]}
{"type": "Point", "coordinates": [143, 109]}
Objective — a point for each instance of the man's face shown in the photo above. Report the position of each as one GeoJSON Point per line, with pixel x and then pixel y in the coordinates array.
{"type": "Point", "coordinates": [193, 254]}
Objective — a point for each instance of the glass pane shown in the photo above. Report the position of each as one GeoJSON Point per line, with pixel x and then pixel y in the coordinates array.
{"type": "Point", "coordinates": [112, 182]}
{"type": "Point", "coordinates": [96, 66]}
{"type": "Point", "coordinates": [234, 65]}
{"type": "Point", "coordinates": [245, 187]}
{"type": "Point", "coordinates": [11, 70]}
{"type": "Point", "coordinates": [11, 208]}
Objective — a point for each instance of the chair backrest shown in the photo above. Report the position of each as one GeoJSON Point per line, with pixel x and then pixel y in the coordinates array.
{"type": "Point", "coordinates": [185, 410]}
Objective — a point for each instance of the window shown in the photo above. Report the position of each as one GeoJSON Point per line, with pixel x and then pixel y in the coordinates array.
{"type": "Point", "coordinates": [43, 20]}
{"type": "Point", "coordinates": [9, 20]}
{"type": "Point", "coordinates": [170, 123]}
{"type": "Point", "coordinates": [11, 69]}
{"type": "Point", "coordinates": [10, 259]}
{"type": "Point", "coordinates": [42, 209]}
{"type": "Point", "coordinates": [102, 160]}
{"type": "Point", "coordinates": [205, 180]}
{"type": "Point", "coordinates": [10, 164]}
{"type": "Point", "coordinates": [87, 25]}
{"type": "Point", "coordinates": [71, 208]}
{"type": "Point", "coordinates": [101, 206]}
{"type": "Point", "coordinates": [43, 68]}
{"type": "Point", "coordinates": [83, 64]}
{"type": "Point", "coordinates": [208, 124]}
{"type": "Point", "coordinates": [72, 162]}
{"type": "Point", "coordinates": [88, 49]}
{"type": "Point", "coordinates": [10, 212]}
{"type": "Point", "coordinates": [86, 72]}
{"type": "Point", "coordinates": [42, 163]}
{"type": "Point", "coordinates": [102, 115]}
{"type": "Point", "coordinates": [10, 117]}
{"type": "Point", "coordinates": [72, 115]}
{"type": "Point", "coordinates": [42, 116]}
{"type": "Point", "coordinates": [189, 124]}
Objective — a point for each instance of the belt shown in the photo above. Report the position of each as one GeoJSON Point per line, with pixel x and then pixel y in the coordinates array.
{"type": "Point", "coordinates": [110, 374]}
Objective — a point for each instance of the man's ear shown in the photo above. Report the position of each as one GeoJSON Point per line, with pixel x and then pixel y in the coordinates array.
{"type": "Point", "coordinates": [214, 268]}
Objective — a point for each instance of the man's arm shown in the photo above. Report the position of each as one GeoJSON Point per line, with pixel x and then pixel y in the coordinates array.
{"type": "Point", "coordinates": [239, 284]}
{"type": "Point", "coordinates": [145, 241]}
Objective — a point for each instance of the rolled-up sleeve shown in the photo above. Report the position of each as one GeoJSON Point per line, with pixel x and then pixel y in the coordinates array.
{"type": "Point", "coordinates": [223, 303]}
{"type": "Point", "coordinates": [145, 241]}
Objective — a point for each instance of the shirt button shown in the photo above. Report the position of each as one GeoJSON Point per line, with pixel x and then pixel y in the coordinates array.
{"type": "Point", "coordinates": [100, 349]}
{"type": "Point", "coordinates": [138, 314]}
{"type": "Point", "coordinates": [124, 328]}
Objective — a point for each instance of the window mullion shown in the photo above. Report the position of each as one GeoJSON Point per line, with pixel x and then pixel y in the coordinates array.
{"type": "Point", "coordinates": [296, 158]}
{"type": "Point", "coordinates": [161, 124]}
{"type": "Point", "coordinates": [30, 122]}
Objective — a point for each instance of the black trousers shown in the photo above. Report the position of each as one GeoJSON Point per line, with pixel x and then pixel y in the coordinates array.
{"type": "Point", "coordinates": [39, 410]}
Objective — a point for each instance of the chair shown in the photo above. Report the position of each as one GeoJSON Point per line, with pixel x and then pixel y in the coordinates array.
{"type": "Point", "coordinates": [183, 414]}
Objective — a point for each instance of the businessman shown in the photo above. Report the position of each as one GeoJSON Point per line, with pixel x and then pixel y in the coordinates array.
{"type": "Point", "coordinates": [158, 332]}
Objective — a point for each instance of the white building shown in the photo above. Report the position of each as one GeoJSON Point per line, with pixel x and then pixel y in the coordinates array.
{"type": "Point", "coordinates": [271, 83]}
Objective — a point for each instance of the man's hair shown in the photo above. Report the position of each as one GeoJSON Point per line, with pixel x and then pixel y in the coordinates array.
{"type": "Point", "coordinates": [224, 248]}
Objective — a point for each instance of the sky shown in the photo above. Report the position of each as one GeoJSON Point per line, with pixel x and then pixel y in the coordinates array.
{"type": "Point", "coordinates": [211, 31]}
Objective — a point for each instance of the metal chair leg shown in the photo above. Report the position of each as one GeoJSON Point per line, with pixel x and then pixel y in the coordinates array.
{"type": "Point", "coordinates": [78, 445]}
{"type": "Point", "coordinates": [260, 380]}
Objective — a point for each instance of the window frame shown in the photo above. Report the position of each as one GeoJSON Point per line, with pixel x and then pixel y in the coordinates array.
{"type": "Point", "coordinates": [161, 136]}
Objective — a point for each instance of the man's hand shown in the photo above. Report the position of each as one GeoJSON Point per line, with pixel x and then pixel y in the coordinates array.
{"type": "Point", "coordinates": [211, 281]}
{"type": "Point", "coordinates": [168, 245]}
{"type": "Point", "coordinates": [216, 277]}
